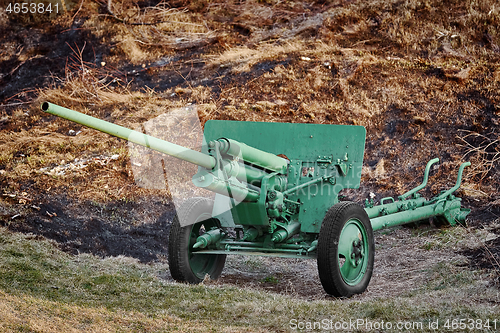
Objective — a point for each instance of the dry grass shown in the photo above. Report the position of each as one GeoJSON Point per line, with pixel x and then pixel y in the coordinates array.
{"type": "Point", "coordinates": [22, 313]}
{"type": "Point", "coordinates": [483, 152]}
{"type": "Point", "coordinates": [156, 26]}
{"type": "Point", "coordinates": [402, 69]}
{"type": "Point", "coordinates": [422, 76]}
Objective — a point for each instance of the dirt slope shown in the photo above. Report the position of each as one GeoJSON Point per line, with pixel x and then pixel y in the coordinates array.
{"type": "Point", "coordinates": [423, 77]}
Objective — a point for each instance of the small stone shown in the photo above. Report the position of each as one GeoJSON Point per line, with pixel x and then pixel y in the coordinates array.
{"type": "Point", "coordinates": [266, 104]}
{"type": "Point", "coordinates": [419, 119]}
{"type": "Point", "coordinates": [183, 91]}
{"type": "Point", "coordinates": [258, 107]}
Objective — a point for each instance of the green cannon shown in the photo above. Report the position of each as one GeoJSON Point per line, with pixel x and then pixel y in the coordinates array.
{"type": "Point", "coordinates": [277, 187]}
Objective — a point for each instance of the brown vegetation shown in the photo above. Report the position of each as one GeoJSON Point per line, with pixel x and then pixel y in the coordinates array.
{"type": "Point", "coordinates": [423, 77]}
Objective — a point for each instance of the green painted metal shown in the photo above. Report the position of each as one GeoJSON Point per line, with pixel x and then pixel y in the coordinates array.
{"type": "Point", "coordinates": [323, 160]}
{"type": "Point", "coordinates": [274, 184]}
{"type": "Point", "coordinates": [133, 136]}
{"type": "Point", "coordinates": [253, 156]}
{"type": "Point", "coordinates": [403, 211]}
{"type": "Point", "coordinates": [393, 207]}
{"type": "Point", "coordinates": [354, 251]}
{"type": "Point", "coordinates": [286, 232]}
{"type": "Point", "coordinates": [208, 180]}
{"type": "Point", "coordinates": [424, 182]}
{"type": "Point", "coordinates": [451, 207]}
{"type": "Point", "coordinates": [208, 238]}
{"type": "Point", "coordinates": [250, 234]}
{"type": "Point", "coordinates": [275, 253]}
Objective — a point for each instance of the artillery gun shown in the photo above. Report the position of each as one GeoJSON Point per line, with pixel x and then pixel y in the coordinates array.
{"type": "Point", "coordinates": [277, 187]}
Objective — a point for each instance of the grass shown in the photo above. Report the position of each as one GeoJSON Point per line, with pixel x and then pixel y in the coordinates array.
{"type": "Point", "coordinates": [412, 72]}
{"type": "Point", "coordinates": [43, 289]}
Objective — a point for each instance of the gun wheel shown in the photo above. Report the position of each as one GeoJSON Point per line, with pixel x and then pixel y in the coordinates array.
{"type": "Point", "coordinates": [185, 264]}
{"type": "Point", "coordinates": [345, 250]}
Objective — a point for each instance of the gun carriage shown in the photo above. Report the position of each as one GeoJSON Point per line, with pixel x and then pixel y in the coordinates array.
{"type": "Point", "coordinates": [277, 187]}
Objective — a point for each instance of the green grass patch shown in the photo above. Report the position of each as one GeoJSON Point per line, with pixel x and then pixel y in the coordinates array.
{"type": "Point", "coordinates": [270, 279]}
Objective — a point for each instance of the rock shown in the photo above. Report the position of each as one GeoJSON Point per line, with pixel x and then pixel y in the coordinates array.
{"type": "Point", "coordinates": [183, 91]}
{"type": "Point", "coordinates": [266, 104]}
{"type": "Point", "coordinates": [464, 74]}
{"type": "Point", "coordinates": [380, 169]}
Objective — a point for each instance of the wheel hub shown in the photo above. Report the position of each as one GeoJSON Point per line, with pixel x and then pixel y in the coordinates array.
{"type": "Point", "coordinates": [357, 252]}
{"type": "Point", "coordinates": [351, 250]}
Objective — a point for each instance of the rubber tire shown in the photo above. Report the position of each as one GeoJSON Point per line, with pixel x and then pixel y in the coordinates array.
{"type": "Point", "coordinates": [181, 241]}
{"type": "Point", "coordinates": [328, 249]}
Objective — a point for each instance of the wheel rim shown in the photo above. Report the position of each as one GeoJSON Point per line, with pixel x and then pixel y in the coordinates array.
{"type": "Point", "coordinates": [353, 252]}
{"type": "Point", "coordinates": [201, 264]}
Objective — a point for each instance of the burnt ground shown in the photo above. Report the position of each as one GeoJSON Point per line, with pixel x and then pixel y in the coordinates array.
{"type": "Point", "coordinates": [101, 211]}
{"type": "Point", "coordinates": [86, 227]}
{"type": "Point", "coordinates": [46, 58]}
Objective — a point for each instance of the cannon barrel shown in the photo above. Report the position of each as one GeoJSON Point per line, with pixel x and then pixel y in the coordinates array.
{"type": "Point", "coordinates": [139, 138]}
{"type": "Point", "coordinates": [253, 155]}
{"type": "Point", "coordinates": [254, 164]}
{"type": "Point", "coordinates": [248, 154]}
